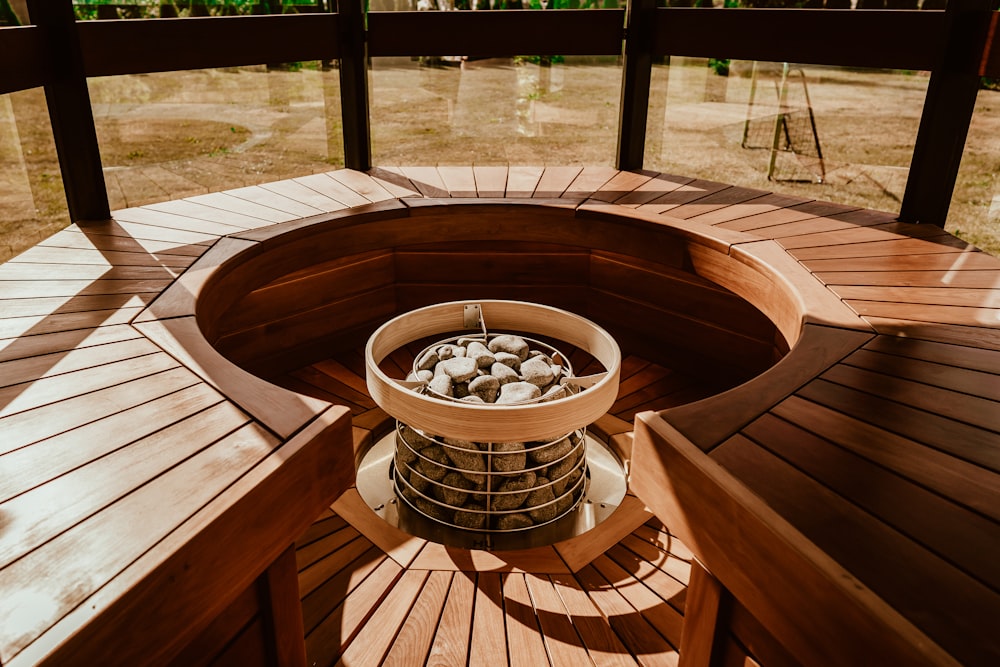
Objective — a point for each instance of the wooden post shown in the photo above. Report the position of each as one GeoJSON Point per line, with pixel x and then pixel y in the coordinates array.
{"type": "Point", "coordinates": [281, 610]}
{"type": "Point", "coordinates": [704, 619]}
{"type": "Point", "coordinates": [636, 76]}
{"type": "Point", "coordinates": [70, 112]}
{"type": "Point", "coordinates": [948, 107]}
{"type": "Point", "coordinates": [354, 85]}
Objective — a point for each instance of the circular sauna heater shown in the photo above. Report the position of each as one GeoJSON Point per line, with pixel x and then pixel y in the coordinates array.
{"type": "Point", "coordinates": [490, 444]}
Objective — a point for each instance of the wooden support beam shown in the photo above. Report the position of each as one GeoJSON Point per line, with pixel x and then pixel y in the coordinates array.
{"type": "Point", "coordinates": [282, 611]}
{"type": "Point", "coordinates": [71, 113]}
{"type": "Point", "coordinates": [354, 85]}
{"type": "Point", "coordinates": [948, 108]}
{"type": "Point", "coordinates": [704, 619]}
{"type": "Point", "coordinates": [636, 77]}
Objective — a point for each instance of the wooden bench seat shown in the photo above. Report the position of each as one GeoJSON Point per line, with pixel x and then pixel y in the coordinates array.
{"type": "Point", "coordinates": [151, 488]}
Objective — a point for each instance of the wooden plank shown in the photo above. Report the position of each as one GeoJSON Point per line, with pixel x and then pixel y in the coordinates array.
{"type": "Point", "coordinates": [849, 535]}
{"type": "Point", "coordinates": [979, 411]}
{"type": "Point", "coordinates": [621, 185]}
{"type": "Point", "coordinates": [393, 180]}
{"type": "Point", "coordinates": [716, 200]}
{"type": "Point", "coordinates": [525, 647]}
{"type": "Point", "coordinates": [282, 612]}
{"type": "Point", "coordinates": [34, 325]}
{"type": "Point", "coordinates": [427, 180]}
{"type": "Point", "coordinates": [970, 358]}
{"type": "Point", "coordinates": [56, 307]}
{"type": "Point", "coordinates": [65, 583]}
{"type": "Point", "coordinates": [413, 643]}
{"type": "Point", "coordinates": [665, 618]}
{"type": "Point", "coordinates": [325, 524]}
{"type": "Point", "coordinates": [738, 529]}
{"type": "Point", "coordinates": [950, 261]}
{"type": "Point", "coordinates": [31, 426]}
{"type": "Point", "coordinates": [490, 181]}
{"type": "Point", "coordinates": [140, 234]}
{"type": "Point", "coordinates": [191, 208]}
{"type": "Point", "coordinates": [603, 645]}
{"type": "Point", "coordinates": [304, 195]}
{"type": "Point", "coordinates": [458, 181]}
{"type": "Point", "coordinates": [653, 576]}
{"type": "Point", "coordinates": [562, 642]}
{"type": "Point", "coordinates": [163, 218]}
{"type": "Point", "coordinates": [660, 553]}
{"type": "Point", "coordinates": [978, 383]}
{"type": "Point", "coordinates": [46, 459]}
{"type": "Point", "coordinates": [451, 641]}
{"type": "Point", "coordinates": [312, 553]}
{"type": "Point", "coordinates": [569, 267]}
{"type": "Point", "coordinates": [335, 633]}
{"type": "Point", "coordinates": [941, 296]}
{"type": "Point", "coordinates": [57, 363]}
{"type": "Point", "coordinates": [28, 395]}
{"type": "Point", "coordinates": [642, 640]}
{"type": "Point", "coordinates": [960, 481]}
{"type": "Point", "coordinates": [275, 200]}
{"type": "Point", "coordinates": [42, 344]}
{"type": "Point", "coordinates": [487, 644]}
{"type": "Point", "coordinates": [658, 185]}
{"type": "Point", "coordinates": [226, 201]}
{"type": "Point", "coordinates": [69, 238]}
{"type": "Point", "coordinates": [873, 233]}
{"type": "Point", "coordinates": [975, 279]}
{"type": "Point", "coordinates": [51, 256]}
{"type": "Point", "coordinates": [434, 556]}
{"type": "Point", "coordinates": [555, 180]}
{"type": "Point", "coordinates": [943, 244]}
{"type": "Point", "coordinates": [521, 180]}
{"type": "Point", "coordinates": [704, 622]}
{"type": "Point", "coordinates": [954, 533]}
{"type": "Point", "coordinates": [42, 272]}
{"type": "Point", "coordinates": [761, 222]}
{"type": "Point", "coordinates": [281, 410]}
{"type": "Point", "coordinates": [962, 440]}
{"type": "Point", "coordinates": [398, 545]}
{"type": "Point", "coordinates": [361, 183]}
{"type": "Point", "coordinates": [326, 584]}
{"type": "Point", "coordinates": [691, 191]}
{"type": "Point", "coordinates": [955, 334]}
{"type": "Point", "coordinates": [581, 550]}
{"type": "Point", "coordinates": [377, 634]}
{"type": "Point", "coordinates": [332, 188]}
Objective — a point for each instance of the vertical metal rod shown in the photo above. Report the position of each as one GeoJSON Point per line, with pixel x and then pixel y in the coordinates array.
{"type": "Point", "coordinates": [780, 123]}
{"type": "Point", "coordinates": [354, 84]}
{"type": "Point", "coordinates": [71, 113]}
{"type": "Point", "coordinates": [947, 114]}
{"type": "Point", "coordinates": [637, 68]}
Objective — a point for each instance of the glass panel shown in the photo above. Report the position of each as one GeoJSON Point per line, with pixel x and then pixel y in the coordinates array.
{"type": "Point", "coordinates": [974, 214]}
{"type": "Point", "coordinates": [524, 110]}
{"type": "Point", "coordinates": [31, 190]}
{"type": "Point", "coordinates": [827, 133]}
{"type": "Point", "coordinates": [176, 134]}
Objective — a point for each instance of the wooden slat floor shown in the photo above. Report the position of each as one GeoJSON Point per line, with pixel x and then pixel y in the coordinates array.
{"type": "Point", "coordinates": [102, 416]}
{"type": "Point", "coordinates": [362, 607]}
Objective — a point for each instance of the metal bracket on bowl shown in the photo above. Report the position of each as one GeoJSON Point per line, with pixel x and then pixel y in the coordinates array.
{"type": "Point", "coordinates": [472, 317]}
{"type": "Point", "coordinates": [584, 381]}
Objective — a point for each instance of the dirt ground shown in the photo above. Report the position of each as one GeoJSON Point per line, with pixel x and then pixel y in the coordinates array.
{"type": "Point", "coordinates": [171, 135]}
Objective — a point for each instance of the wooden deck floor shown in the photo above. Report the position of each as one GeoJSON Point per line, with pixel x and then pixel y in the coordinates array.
{"type": "Point", "coordinates": [123, 443]}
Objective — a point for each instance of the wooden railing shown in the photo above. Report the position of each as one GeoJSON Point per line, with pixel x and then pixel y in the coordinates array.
{"type": "Point", "coordinates": [958, 46]}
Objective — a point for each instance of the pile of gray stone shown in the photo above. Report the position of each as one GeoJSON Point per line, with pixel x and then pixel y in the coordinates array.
{"type": "Point", "coordinates": [502, 369]}
{"type": "Point", "coordinates": [493, 486]}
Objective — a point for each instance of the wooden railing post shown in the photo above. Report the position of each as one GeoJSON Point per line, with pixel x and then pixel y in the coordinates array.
{"type": "Point", "coordinates": [354, 85]}
{"type": "Point", "coordinates": [947, 114]}
{"type": "Point", "coordinates": [636, 77]}
{"type": "Point", "coordinates": [70, 112]}
{"type": "Point", "coordinates": [704, 619]}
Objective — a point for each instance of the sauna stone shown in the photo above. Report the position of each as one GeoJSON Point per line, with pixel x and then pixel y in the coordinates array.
{"type": "Point", "coordinates": [511, 457]}
{"type": "Point", "coordinates": [514, 521]}
{"type": "Point", "coordinates": [510, 344]}
{"type": "Point", "coordinates": [515, 392]}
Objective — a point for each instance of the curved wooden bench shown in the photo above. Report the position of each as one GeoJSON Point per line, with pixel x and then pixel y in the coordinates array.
{"type": "Point", "coordinates": [848, 323]}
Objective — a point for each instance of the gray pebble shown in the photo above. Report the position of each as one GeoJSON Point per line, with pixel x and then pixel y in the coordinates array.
{"type": "Point", "coordinates": [520, 485]}
{"type": "Point", "coordinates": [537, 372]}
{"type": "Point", "coordinates": [485, 387]}
{"type": "Point", "coordinates": [442, 385]}
{"type": "Point", "coordinates": [473, 520]}
{"type": "Point", "coordinates": [560, 486]}
{"type": "Point", "coordinates": [428, 360]}
{"type": "Point", "coordinates": [465, 455]}
{"type": "Point", "coordinates": [514, 392]}
{"type": "Point", "coordinates": [510, 344]}
{"type": "Point", "coordinates": [484, 358]}
{"type": "Point", "coordinates": [472, 398]}
{"type": "Point", "coordinates": [458, 494]}
{"type": "Point", "coordinates": [504, 373]}
{"type": "Point", "coordinates": [459, 369]}
{"type": "Point", "coordinates": [514, 521]}
{"type": "Point", "coordinates": [430, 469]}
{"type": "Point", "coordinates": [538, 498]}
{"type": "Point", "coordinates": [511, 456]}
{"type": "Point", "coordinates": [549, 453]}
{"type": "Point", "coordinates": [508, 359]}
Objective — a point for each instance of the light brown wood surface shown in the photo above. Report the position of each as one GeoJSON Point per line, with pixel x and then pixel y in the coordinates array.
{"type": "Point", "coordinates": [129, 450]}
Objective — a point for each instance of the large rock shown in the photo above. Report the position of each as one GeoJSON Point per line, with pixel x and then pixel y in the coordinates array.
{"type": "Point", "coordinates": [537, 372]}
{"type": "Point", "coordinates": [466, 455]}
{"type": "Point", "coordinates": [508, 456]}
{"type": "Point", "coordinates": [538, 499]}
{"type": "Point", "coordinates": [515, 392]}
{"type": "Point", "coordinates": [459, 369]}
{"type": "Point", "coordinates": [513, 492]}
{"type": "Point", "coordinates": [485, 387]}
{"type": "Point", "coordinates": [510, 344]}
